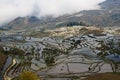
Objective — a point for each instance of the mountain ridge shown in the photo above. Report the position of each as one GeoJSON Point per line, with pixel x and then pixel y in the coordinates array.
{"type": "Point", "coordinates": [109, 15]}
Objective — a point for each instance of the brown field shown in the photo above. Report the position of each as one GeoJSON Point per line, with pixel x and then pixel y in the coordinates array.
{"type": "Point", "coordinates": [2, 60]}
{"type": "Point", "coordinates": [104, 76]}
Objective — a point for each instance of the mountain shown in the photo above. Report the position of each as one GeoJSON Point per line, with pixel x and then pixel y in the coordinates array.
{"type": "Point", "coordinates": [109, 15]}
{"type": "Point", "coordinates": [22, 22]}
{"type": "Point", "coordinates": [111, 4]}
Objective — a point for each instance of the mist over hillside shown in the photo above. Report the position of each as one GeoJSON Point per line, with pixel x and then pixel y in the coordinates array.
{"type": "Point", "coordinates": [109, 15]}
{"type": "Point", "coordinates": [59, 39]}
{"type": "Point", "coordinates": [11, 9]}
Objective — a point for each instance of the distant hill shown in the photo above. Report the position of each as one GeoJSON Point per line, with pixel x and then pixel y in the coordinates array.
{"type": "Point", "coordinates": [111, 4]}
{"type": "Point", "coordinates": [109, 15]}
{"type": "Point", "coordinates": [23, 23]}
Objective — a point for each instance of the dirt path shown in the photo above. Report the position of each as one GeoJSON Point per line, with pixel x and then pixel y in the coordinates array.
{"type": "Point", "coordinates": [5, 74]}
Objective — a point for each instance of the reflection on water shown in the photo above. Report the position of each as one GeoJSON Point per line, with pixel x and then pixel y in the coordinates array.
{"type": "Point", "coordinates": [81, 62]}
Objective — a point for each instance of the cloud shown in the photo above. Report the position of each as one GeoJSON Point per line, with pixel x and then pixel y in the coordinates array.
{"type": "Point", "coordinates": [11, 9]}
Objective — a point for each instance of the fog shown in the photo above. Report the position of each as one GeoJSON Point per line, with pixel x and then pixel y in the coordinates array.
{"type": "Point", "coordinates": [11, 9]}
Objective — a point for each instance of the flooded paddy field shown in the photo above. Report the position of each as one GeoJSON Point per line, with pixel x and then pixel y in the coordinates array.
{"type": "Point", "coordinates": [58, 59]}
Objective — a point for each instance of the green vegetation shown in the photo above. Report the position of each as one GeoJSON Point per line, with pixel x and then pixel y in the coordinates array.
{"type": "Point", "coordinates": [49, 55]}
{"type": "Point", "coordinates": [39, 34]}
{"type": "Point", "coordinates": [16, 51]}
{"type": "Point", "coordinates": [72, 24]}
{"type": "Point", "coordinates": [27, 75]}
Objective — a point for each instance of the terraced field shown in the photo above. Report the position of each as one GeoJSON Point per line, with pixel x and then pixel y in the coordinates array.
{"type": "Point", "coordinates": [73, 57]}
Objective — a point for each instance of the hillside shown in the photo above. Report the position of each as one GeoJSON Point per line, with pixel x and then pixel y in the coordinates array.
{"type": "Point", "coordinates": [109, 15]}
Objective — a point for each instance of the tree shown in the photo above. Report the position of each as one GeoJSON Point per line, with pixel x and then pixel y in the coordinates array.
{"type": "Point", "coordinates": [28, 75]}
{"type": "Point", "coordinates": [16, 51]}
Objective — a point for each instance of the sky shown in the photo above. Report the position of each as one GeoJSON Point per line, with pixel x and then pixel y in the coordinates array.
{"type": "Point", "coordinates": [11, 9]}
